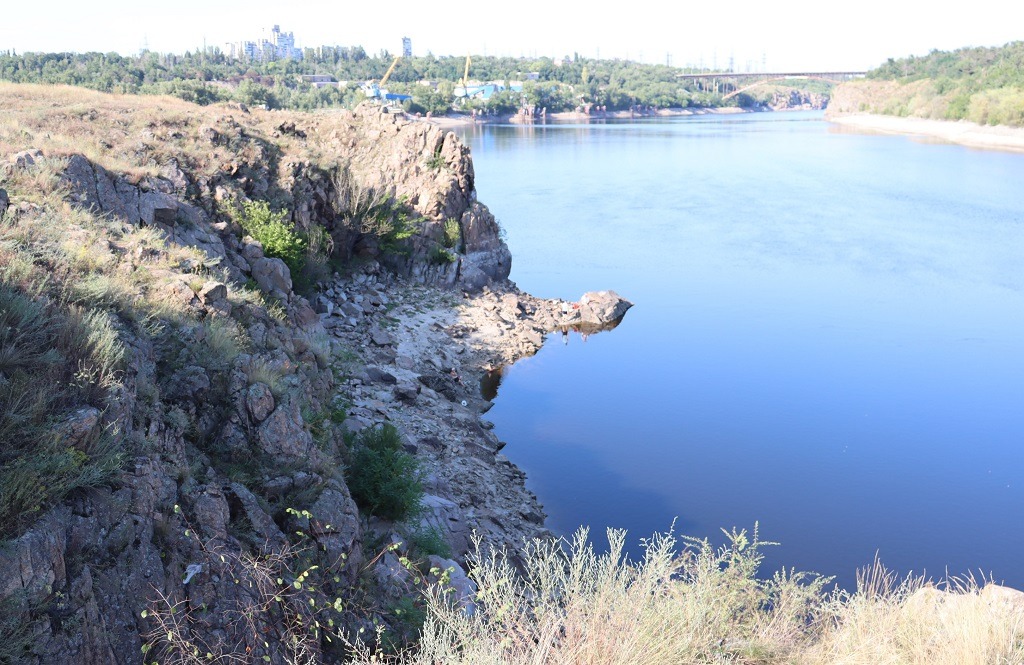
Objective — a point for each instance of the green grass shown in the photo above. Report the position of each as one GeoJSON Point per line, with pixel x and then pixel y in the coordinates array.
{"type": "Point", "coordinates": [55, 357]}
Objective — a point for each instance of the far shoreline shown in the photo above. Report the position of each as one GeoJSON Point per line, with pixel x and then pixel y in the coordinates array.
{"type": "Point", "coordinates": [452, 120]}
{"type": "Point", "coordinates": [960, 132]}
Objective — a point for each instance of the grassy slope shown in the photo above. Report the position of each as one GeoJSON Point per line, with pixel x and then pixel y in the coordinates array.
{"type": "Point", "coordinates": [982, 85]}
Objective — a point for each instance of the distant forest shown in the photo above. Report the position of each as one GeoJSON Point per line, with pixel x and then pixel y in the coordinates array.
{"type": "Point", "coordinates": [984, 85]}
{"type": "Point", "coordinates": [209, 76]}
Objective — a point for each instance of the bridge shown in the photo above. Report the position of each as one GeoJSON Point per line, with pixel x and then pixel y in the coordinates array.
{"type": "Point", "coordinates": [761, 78]}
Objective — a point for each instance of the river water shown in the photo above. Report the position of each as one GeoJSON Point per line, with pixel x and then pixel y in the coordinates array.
{"type": "Point", "coordinates": [827, 338]}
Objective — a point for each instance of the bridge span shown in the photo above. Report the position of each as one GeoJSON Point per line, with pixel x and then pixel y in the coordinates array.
{"type": "Point", "coordinates": [713, 81]}
{"type": "Point", "coordinates": [828, 75]}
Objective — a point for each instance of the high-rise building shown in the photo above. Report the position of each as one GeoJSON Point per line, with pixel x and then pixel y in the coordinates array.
{"type": "Point", "coordinates": [280, 46]}
{"type": "Point", "coordinates": [406, 47]}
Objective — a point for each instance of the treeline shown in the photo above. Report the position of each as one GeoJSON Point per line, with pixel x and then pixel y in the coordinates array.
{"type": "Point", "coordinates": [209, 76]}
{"type": "Point", "coordinates": [984, 85]}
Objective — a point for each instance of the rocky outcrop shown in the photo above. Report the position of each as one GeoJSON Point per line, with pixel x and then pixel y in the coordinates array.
{"type": "Point", "coordinates": [797, 99]}
{"type": "Point", "coordinates": [234, 409]}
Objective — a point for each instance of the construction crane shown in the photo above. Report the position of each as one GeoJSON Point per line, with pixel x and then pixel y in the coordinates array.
{"type": "Point", "coordinates": [374, 90]}
{"type": "Point", "coordinates": [387, 74]}
{"type": "Point", "coordinates": [465, 81]}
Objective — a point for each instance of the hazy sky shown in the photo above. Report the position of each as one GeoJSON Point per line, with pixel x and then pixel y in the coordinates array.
{"type": "Point", "coordinates": [787, 34]}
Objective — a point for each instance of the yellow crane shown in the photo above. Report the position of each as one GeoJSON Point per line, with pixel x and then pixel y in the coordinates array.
{"type": "Point", "coordinates": [387, 74]}
{"type": "Point", "coordinates": [465, 74]}
{"type": "Point", "coordinates": [373, 90]}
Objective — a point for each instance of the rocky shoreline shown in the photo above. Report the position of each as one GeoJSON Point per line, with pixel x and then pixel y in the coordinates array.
{"type": "Point", "coordinates": [239, 400]}
{"type": "Point", "coordinates": [423, 354]}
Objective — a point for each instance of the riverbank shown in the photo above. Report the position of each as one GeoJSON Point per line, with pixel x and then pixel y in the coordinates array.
{"type": "Point", "coordinates": [960, 132]}
{"type": "Point", "coordinates": [453, 120]}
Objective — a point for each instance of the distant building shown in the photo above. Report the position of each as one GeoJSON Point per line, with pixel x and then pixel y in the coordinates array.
{"type": "Point", "coordinates": [484, 91]}
{"type": "Point", "coordinates": [319, 80]}
{"type": "Point", "coordinates": [406, 47]}
{"type": "Point", "coordinates": [280, 46]}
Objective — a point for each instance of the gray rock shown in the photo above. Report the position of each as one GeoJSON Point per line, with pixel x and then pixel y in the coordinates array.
{"type": "Point", "coordinates": [351, 310]}
{"type": "Point", "coordinates": [463, 589]}
{"type": "Point", "coordinates": [273, 277]}
{"type": "Point", "coordinates": [212, 513]}
{"type": "Point", "coordinates": [381, 337]}
{"type": "Point", "coordinates": [212, 292]}
{"type": "Point", "coordinates": [5, 202]}
{"type": "Point", "coordinates": [26, 158]}
{"type": "Point", "coordinates": [377, 375]}
{"type": "Point", "coordinates": [283, 436]}
{"type": "Point", "coordinates": [259, 400]}
{"type": "Point", "coordinates": [602, 307]}
{"type": "Point", "coordinates": [407, 391]}
{"type": "Point", "coordinates": [263, 525]}
{"type": "Point", "coordinates": [78, 429]}
{"type": "Point", "coordinates": [251, 249]}
{"type": "Point", "coordinates": [336, 528]}
{"type": "Point", "coordinates": [323, 305]}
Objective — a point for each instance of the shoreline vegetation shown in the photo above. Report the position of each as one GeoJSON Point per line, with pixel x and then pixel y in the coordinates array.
{"type": "Point", "coordinates": [970, 96]}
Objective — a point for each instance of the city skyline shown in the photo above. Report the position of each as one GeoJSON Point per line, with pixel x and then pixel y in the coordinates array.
{"type": "Point", "coordinates": [795, 34]}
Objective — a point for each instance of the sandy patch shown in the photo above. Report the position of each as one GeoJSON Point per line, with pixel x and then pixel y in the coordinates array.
{"type": "Point", "coordinates": [960, 132]}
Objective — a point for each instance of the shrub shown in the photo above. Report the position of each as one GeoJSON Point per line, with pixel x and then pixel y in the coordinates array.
{"type": "Point", "coordinates": [441, 256]}
{"type": "Point", "coordinates": [383, 478]}
{"type": "Point", "coordinates": [426, 541]}
{"type": "Point", "coordinates": [278, 237]}
{"type": "Point", "coordinates": [452, 234]}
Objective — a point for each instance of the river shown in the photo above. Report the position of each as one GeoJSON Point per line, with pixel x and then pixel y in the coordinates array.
{"type": "Point", "coordinates": [827, 338]}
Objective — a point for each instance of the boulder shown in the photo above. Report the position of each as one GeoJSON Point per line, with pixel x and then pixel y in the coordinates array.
{"type": "Point", "coordinates": [453, 577]}
{"type": "Point", "coordinates": [336, 528]}
{"type": "Point", "coordinates": [602, 308]}
{"type": "Point", "coordinates": [259, 401]}
{"type": "Point", "coordinates": [26, 158]}
{"type": "Point", "coordinates": [273, 277]}
{"type": "Point", "coordinates": [5, 202]}
{"type": "Point", "coordinates": [212, 292]}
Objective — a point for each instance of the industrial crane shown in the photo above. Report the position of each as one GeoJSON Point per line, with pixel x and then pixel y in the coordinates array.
{"type": "Point", "coordinates": [375, 90]}
{"type": "Point", "coordinates": [465, 82]}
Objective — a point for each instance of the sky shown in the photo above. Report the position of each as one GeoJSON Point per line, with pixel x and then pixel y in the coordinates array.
{"type": "Point", "coordinates": [786, 35]}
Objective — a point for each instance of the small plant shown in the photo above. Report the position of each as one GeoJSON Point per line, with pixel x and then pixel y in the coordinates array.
{"type": "Point", "coordinates": [383, 478]}
{"type": "Point", "coordinates": [278, 237]}
{"type": "Point", "coordinates": [452, 234]}
{"type": "Point", "coordinates": [436, 162]}
{"type": "Point", "coordinates": [427, 541]}
{"type": "Point", "coordinates": [441, 256]}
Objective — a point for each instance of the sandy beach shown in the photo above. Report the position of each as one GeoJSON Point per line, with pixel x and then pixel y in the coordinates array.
{"type": "Point", "coordinates": [960, 132]}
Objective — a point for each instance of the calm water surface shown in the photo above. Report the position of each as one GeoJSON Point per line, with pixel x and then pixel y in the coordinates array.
{"type": "Point", "coordinates": [828, 337]}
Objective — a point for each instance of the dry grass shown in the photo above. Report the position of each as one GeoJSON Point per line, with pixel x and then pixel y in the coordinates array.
{"type": "Point", "coordinates": [137, 135]}
{"type": "Point", "coordinates": [701, 604]}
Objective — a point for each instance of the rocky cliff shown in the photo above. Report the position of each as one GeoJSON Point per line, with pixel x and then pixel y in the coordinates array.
{"type": "Point", "coordinates": [222, 522]}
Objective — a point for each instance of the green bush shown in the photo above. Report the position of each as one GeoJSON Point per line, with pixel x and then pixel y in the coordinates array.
{"type": "Point", "coordinates": [383, 478]}
{"type": "Point", "coordinates": [279, 238]}
{"type": "Point", "coordinates": [441, 256]}
{"type": "Point", "coordinates": [452, 234]}
{"type": "Point", "coordinates": [426, 541]}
